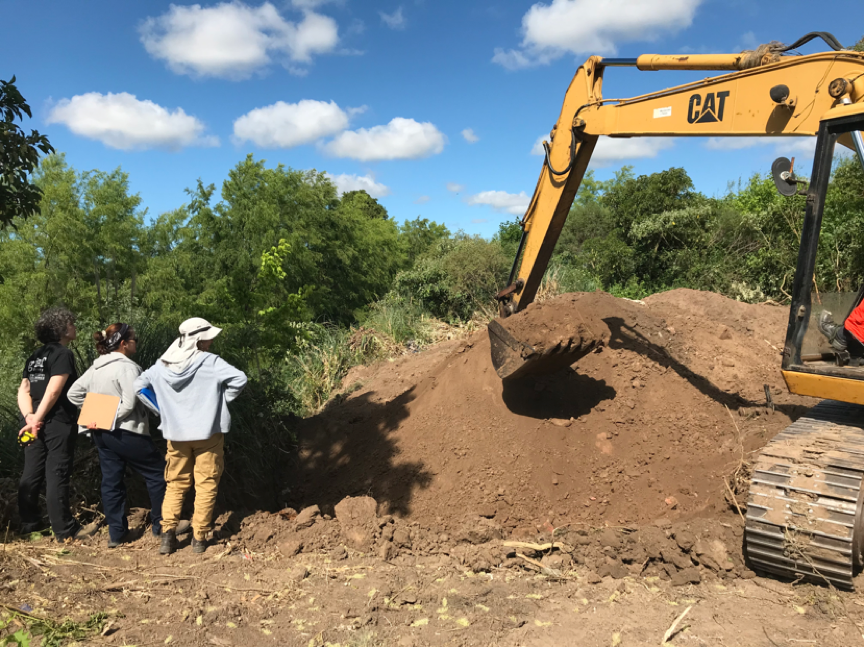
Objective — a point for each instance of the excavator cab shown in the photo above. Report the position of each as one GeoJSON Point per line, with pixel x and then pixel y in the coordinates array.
{"type": "Point", "coordinates": [811, 365]}
{"type": "Point", "coordinates": [805, 510]}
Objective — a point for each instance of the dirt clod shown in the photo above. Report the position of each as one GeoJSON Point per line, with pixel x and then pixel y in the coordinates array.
{"type": "Point", "coordinates": [685, 540]}
{"type": "Point", "coordinates": [358, 519]}
{"type": "Point", "coordinates": [298, 573]}
{"type": "Point", "coordinates": [687, 576]}
{"type": "Point", "coordinates": [290, 547]}
{"type": "Point", "coordinates": [307, 517]}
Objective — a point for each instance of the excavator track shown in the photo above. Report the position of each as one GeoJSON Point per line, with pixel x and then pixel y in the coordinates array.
{"type": "Point", "coordinates": [804, 511]}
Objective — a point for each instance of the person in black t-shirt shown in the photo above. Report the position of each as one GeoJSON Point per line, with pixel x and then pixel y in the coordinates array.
{"type": "Point", "coordinates": [48, 414]}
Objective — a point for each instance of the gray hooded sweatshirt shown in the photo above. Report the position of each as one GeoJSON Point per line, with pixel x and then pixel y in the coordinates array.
{"type": "Point", "coordinates": [114, 374]}
{"type": "Point", "coordinates": [193, 404]}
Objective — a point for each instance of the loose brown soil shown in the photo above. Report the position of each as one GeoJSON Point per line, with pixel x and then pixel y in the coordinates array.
{"type": "Point", "coordinates": [435, 505]}
{"type": "Point", "coordinates": [664, 410]}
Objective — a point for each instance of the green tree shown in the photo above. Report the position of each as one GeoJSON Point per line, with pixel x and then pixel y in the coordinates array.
{"type": "Point", "coordinates": [365, 203]}
{"type": "Point", "coordinates": [418, 236]}
{"type": "Point", "coordinates": [19, 157]}
{"type": "Point", "coordinates": [458, 277]}
{"type": "Point", "coordinates": [206, 258]}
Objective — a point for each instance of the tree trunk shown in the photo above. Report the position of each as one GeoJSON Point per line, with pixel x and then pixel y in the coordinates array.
{"type": "Point", "coordinates": [98, 284]}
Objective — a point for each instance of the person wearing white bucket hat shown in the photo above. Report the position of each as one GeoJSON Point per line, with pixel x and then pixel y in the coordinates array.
{"type": "Point", "coordinates": [190, 388]}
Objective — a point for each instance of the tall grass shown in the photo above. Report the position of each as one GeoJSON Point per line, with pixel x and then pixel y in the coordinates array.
{"type": "Point", "coordinates": [313, 374]}
{"type": "Point", "coordinates": [11, 456]}
{"type": "Point", "coordinates": [561, 278]}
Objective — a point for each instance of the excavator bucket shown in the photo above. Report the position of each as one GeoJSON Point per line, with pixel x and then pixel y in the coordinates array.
{"type": "Point", "coordinates": [513, 359]}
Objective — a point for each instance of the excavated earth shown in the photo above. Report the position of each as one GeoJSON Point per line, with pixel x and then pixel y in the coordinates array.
{"type": "Point", "coordinates": [434, 504]}
{"type": "Point", "coordinates": [644, 428]}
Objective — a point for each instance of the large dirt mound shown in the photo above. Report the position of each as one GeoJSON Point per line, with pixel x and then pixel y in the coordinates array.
{"type": "Point", "coordinates": [644, 428]}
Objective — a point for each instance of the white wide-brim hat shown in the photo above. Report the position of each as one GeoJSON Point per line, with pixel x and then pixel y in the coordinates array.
{"type": "Point", "coordinates": [199, 328]}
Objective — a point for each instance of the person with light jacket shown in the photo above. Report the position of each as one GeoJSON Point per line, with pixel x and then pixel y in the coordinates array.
{"type": "Point", "coordinates": [129, 443]}
{"type": "Point", "coordinates": [190, 388]}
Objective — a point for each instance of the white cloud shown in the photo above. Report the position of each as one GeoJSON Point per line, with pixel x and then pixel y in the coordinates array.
{"type": "Point", "coordinates": [125, 122]}
{"type": "Point", "coordinates": [610, 150]}
{"type": "Point", "coordinates": [453, 187]}
{"type": "Point", "coordinates": [736, 143]}
{"type": "Point", "coordinates": [393, 20]}
{"type": "Point", "coordinates": [233, 40]}
{"type": "Point", "coordinates": [512, 203]}
{"type": "Point", "coordinates": [310, 4]}
{"type": "Point", "coordinates": [537, 148]}
{"type": "Point", "coordinates": [423, 199]}
{"type": "Point", "coordinates": [400, 139]}
{"type": "Point", "coordinates": [284, 125]}
{"type": "Point", "coordinates": [345, 183]}
{"type": "Point", "coordinates": [799, 146]}
{"type": "Point", "coordinates": [747, 41]}
{"type": "Point", "coordinates": [592, 27]}
{"type": "Point", "coordinates": [782, 145]}
{"type": "Point", "coordinates": [470, 136]}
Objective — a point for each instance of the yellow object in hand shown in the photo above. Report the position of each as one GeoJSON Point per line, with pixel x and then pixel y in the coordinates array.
{"type": "Point", "coordinates": [26, 438]}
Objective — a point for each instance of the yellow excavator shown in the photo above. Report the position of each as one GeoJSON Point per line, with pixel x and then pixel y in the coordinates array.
{"type": "Point", "coordinates": [804, 511]}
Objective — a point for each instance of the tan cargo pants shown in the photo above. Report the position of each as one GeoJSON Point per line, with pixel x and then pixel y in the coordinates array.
{"type": "Point", "coordinates": [204, 460]}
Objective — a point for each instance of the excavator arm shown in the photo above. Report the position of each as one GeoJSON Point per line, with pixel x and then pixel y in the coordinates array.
{"type": "Point", "coordinates": [764, 95]}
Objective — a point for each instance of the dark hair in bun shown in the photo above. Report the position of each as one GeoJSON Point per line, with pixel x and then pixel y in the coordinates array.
{"type": "Point", "coordinates": [108, 340]}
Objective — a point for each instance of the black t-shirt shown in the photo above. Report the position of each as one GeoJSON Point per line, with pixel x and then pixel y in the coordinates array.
{"type": "Point", "coordinates": [50, 360]}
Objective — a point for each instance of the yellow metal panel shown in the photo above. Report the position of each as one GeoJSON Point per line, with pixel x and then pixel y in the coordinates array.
{"type": "Point", "coordinates": [825, 386]}
{"type": "Point", "coordinates": [845, 110]}
{"type": "Point", "coordinates": [737, 104]}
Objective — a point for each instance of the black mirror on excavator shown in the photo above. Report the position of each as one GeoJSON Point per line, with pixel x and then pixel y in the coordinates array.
{"type": "Point", "coordinates": [784, 176]}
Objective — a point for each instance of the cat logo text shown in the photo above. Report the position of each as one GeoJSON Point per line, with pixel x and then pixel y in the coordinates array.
{"type": "Point", "coordinates": [707, 109]}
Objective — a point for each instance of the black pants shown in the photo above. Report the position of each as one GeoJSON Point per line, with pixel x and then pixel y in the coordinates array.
{"type": "Point", "coordinates": [855, 347]}
{"type": "Point", "coordinates": [48, 461]}
{"type": "Point", "coordinates": [117, 449]}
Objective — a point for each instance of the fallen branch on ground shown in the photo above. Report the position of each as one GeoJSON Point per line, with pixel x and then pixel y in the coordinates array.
{"type": "Point", "coordinates": [671, 631]}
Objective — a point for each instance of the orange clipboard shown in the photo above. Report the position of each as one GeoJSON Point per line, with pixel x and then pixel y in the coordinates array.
{"type": "Point", "coordinates": [101, 409]}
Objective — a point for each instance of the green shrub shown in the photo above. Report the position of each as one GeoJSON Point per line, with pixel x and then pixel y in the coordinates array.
{"type": "Point", "coordinates": [459, 277]}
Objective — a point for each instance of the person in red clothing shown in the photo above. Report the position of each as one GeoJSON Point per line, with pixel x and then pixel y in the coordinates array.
{"type": "Point", "coordinates": [848, 337]}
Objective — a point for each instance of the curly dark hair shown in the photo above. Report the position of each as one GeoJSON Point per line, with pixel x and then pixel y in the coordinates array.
{"type": "Point", "coordinates": [53, 323]}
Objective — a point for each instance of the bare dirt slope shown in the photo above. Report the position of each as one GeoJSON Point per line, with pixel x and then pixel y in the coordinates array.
{"type": "Point", "coordinates": [644, 428]}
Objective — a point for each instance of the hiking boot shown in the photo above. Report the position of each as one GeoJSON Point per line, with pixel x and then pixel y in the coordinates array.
{"type": "Point", "coordinates": [199, 545]}
{"type": "Point", "coordinates": [182, 528]}
{"type": "Point", "coordinates": [832, 331]}
{"type": "Point", "coordinates": [169, 543]}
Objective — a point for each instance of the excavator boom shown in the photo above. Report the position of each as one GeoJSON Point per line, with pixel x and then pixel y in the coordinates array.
{"type": "Point", "coordinates": [763, 95]}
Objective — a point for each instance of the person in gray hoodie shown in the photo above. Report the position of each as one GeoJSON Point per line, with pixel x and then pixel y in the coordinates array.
{"type": "Point", "coordinates": [129, 443]}
{"type": "Point", "coordinates": [190, 388]}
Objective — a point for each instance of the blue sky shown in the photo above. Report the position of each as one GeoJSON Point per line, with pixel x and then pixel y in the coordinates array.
{"type": "Point", "coordinates": [433, 107]}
